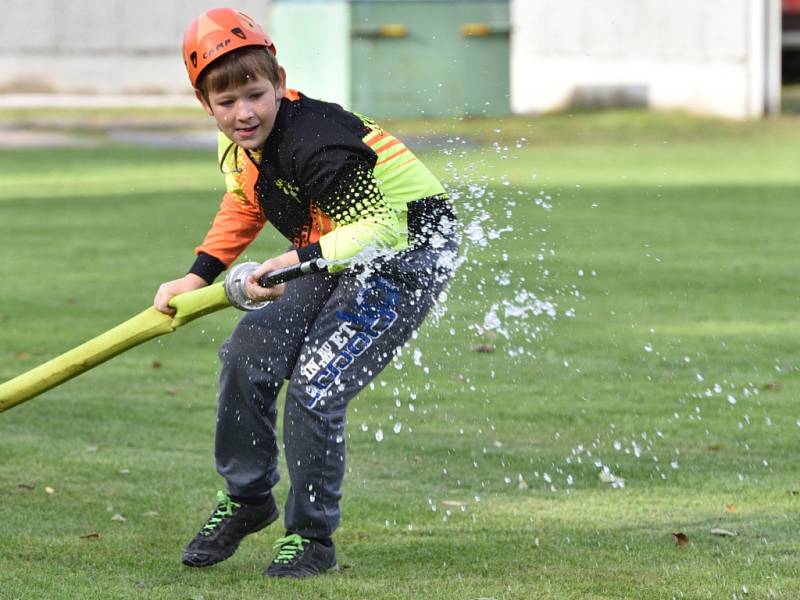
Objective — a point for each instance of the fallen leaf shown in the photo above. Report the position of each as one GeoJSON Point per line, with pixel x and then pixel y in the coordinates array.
{"type": "Point", "coordinates": [680, 538]}
{"type": "Point", "coordinates": [22, 356]}
{"type": "Point", "coordinates": [723, 532]}
{"type": "Point", "coordinates": [772, 385]}
{"type": "Point", "coordinates": [156, 364]}
{"type": "Point", "coordinates": [731, 508]}
{"type": "Point", "coordinates": [484, 348]}
{"type": "Point", "coordinates": [49, 490]}
{"type": "Point", "coordinates": [417, 460]}
{"type": "Point", "coordinates": [91, 536]}
{"type": "Point", "coordinates": [714, 447]}
{"type": "Point", "coordinates": [25, 486]}
{"type": "Point", "coordinates": [118, 518]}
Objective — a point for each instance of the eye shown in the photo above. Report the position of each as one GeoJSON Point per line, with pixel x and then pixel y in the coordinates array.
{"type": "Point", "coordinates": [225, 103]}
{"type": "Point", "coordinates": [256, 95]}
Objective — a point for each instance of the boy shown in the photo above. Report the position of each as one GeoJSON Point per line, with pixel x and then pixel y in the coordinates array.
{"type": "Point", "coordinates": [339, 188]}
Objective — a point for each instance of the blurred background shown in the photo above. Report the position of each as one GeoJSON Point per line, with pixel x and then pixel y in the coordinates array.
{"type": "Point", "coordinates": [425, 58]}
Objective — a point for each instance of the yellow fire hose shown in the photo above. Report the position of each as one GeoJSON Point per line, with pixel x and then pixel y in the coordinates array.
{"type": "Point", "coordinates": [145, 326]}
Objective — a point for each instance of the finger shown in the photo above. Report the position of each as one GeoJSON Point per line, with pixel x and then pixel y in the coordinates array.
{"type": "Point", "coordinates": [263, 269]}
{"type": "Point", "coordinates": [161, 304]}
{"type": "Point", "coordinates": [253, 291]}
{"type": "Point", "coordinates": [167, 310]}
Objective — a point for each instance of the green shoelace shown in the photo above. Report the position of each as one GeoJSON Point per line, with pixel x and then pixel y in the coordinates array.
{"type": "Point", "coordinates": [224, 509]}
{"type": "Point", "coordinates": [289, 547]}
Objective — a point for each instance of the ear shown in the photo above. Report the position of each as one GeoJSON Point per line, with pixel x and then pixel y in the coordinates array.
{"type": "Point", "coordinates": [280, 89]}
{"type": "Point", "coordinates": [202, 101]}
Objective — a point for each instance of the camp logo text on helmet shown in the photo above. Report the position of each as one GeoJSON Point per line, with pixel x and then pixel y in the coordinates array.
{"type": "Point", "coordinates": [215, 33]}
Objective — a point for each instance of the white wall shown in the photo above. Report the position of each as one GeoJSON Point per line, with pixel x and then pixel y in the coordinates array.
{"type": "Point", "coordinates": [113, 46]}
{"type": "Point", "coordinates": [706, 56]}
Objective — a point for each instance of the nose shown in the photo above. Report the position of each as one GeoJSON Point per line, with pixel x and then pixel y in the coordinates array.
{"type": "Point", "coordinates": [243, 110]}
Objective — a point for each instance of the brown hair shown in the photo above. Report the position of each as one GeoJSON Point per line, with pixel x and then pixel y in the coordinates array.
{"type": "Point", "coordinates": [239, 68]}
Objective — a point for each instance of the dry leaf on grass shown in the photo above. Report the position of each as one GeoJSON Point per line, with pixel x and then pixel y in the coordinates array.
{"type": "Point", "coordinates": [91, 536]}
{"type": "Point", "coordinates": [484, 348]}
{"type": "Point", "coordinates": [730, 508]}
{"type": "Point", "coordinates": [723, 532]}
{"type": "Point", "coordinates": [118, 518]}
{"type": "Point", "coordinates": [25, 486]}
{"type": "Point", "coordinates": [680, 539]}
{"type": "Point", "coordinates": [156, 364]}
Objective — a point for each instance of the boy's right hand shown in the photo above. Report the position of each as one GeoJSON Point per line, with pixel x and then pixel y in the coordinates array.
{"type": "Point", "coordinates": [167, 290]}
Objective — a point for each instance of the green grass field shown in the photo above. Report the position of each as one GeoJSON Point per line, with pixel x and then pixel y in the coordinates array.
{"type": "Point", "coordinates": [636, 276]}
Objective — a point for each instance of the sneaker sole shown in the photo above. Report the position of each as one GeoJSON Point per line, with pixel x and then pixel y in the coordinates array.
{"type": "Point", "coordinates": [209, 561]}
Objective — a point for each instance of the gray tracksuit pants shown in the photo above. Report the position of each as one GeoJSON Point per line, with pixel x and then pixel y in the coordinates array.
{"type": "Point", "coordinates": [329, 336]}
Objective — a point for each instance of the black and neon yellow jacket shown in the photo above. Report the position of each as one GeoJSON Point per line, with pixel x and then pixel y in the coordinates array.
{"type": "Point", "coordinates": [332, 182]}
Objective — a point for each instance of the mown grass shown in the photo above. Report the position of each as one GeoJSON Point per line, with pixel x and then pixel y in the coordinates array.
{"type": "Point", "coordinates": [672, 238]}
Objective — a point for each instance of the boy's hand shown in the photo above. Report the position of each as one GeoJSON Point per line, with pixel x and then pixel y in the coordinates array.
{"type": "Point", "coordinates": [166, 291]}
{"type": "Point", "coordinates": [259, 294]}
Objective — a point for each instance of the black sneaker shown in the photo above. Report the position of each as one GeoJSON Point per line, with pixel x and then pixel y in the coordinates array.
{"type": "Point", "coordinates": [299, 557]}
{"type": "Point", "coordinates": [226, 527]}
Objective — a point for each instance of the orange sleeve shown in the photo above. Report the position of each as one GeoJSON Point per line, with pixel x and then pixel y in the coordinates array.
{"type": "Point", "coordinates": [236, 224]}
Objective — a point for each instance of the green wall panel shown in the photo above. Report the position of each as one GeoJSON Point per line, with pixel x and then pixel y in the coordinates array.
{"type": "Point", "coordinates": [418, 58]}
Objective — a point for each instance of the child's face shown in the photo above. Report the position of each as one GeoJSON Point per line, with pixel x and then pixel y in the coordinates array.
{"type": "Point", "coordinates": [246, 114]}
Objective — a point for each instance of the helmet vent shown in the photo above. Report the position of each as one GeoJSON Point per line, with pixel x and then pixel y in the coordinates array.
{"type": "Point", "coordinates": [238, 33]}
{"type": "Point", "coordinates": [193, 58]}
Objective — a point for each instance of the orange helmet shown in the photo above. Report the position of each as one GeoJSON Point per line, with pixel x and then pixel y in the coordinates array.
{"type": "Point", "coordinates": [217, 32]}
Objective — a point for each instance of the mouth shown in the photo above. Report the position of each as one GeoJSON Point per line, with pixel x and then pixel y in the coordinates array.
{"type": "Point", "coordinates": [246, 132]}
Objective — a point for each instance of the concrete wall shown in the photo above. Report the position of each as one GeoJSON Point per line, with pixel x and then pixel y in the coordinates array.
{"type": "Point", "coordinates": [714, 56]}
{"type": "Point", "coordinates": [105, 46]}
{"type": "Point", "coordinates": [711, 56]}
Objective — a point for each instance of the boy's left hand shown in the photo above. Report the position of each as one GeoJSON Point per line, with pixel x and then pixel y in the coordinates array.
{"type": "Point", "coordinates": [260, 294]}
